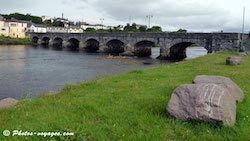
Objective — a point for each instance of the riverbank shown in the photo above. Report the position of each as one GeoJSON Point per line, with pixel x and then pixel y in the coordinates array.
{"type": "Point", "coordinates": [14, 41]}
{"type": "Point", "coordinates": [130, 106]}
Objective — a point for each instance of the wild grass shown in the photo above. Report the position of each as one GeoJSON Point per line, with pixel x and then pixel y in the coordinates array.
{"type": "Point", "coordinates": [130, 106]}
{"type": "Point", "coordinates": [14, 41]}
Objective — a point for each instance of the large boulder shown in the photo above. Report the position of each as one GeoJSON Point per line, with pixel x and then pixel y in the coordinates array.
{"type": "Point", "coordinates": [203, 102]}
{"type": "Point", "coordinates": [4, 103]}
{"type": "Point", "coordinates": [234, 90]}
{"type": "Point", "coordinates": [234, 60]}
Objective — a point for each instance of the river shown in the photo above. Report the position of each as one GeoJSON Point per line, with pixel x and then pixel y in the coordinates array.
{"type": "Point", "coordinates": [27, 71]}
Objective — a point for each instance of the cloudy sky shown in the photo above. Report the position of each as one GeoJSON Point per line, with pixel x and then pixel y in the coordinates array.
{"type": "Point", "coordinates": [194, 15]}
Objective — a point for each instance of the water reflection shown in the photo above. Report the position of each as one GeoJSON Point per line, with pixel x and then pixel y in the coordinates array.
{"type": "Point", "coordinates": [194, 52]}
{"type": "Point", "coordinates": [27, 71]}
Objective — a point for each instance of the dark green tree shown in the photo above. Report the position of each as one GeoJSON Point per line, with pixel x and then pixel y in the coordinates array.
{"type": "Point", "coordinates": [155, 29]}
{"type": "Point", "coordinates": [104, 30]}
{"type": "Point", "coordinates": [27, 17]}
{"type": "Point", "coordinates": [127, 27]}
{"type": "Point", "coordinates": [58, 24]}
{"type": "Point", "coordinates": [143, 28]}
{"type": "Point", "coordinates": [90, 30]}
{"type": "Point", "coordinates": [132, 28]}
{"type": "Point", "coordinates": [116, 29]}
{"type": "Point", "coordinates": [47, 23]}
{"type": "Point", "coordinates": [182, 30]}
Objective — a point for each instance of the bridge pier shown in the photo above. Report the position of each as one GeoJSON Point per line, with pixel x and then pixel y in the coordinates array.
{"type": "Point", "coordinates": [164, 53]}
{"type": "Point", "coordinates": [129, 50]}
{"type": "Point", "coordinates": [51, 43]}
{"type": "Point", "coordinates": [39, 41]}
{"type": "Point", "coordinates": [103, 48]}
{"type": "Point", "coordinates": [82, 45]}
{"type": "Point", "coordinates": [65, 44]}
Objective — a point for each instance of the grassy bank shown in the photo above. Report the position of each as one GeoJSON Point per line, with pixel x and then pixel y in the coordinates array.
{"type": "Point", "coordinates": [14, 41]}
{"type": "Point", "coordinates": [130, 106]}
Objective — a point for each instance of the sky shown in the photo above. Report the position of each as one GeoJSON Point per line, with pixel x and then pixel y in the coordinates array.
{"type": "Point", "coordinates": [193, 15]}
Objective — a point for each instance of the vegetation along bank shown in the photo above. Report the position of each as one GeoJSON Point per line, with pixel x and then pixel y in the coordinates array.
{"type": "Point", "coordinates": [14, 41]}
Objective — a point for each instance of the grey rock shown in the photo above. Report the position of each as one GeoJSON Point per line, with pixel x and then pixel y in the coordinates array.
{"type": "Point", "coordinates": [243, 54]}
{"type": "Point", "coordinates": [203, 102]}
{"type": "Point", "coordinates": [4, 103]}
{"type": "Point", "coordinates": [234, 60]}
{"type": "Point", "coordinates": [234, 90]}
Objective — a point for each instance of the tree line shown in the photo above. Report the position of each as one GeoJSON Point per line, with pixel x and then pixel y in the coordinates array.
{"type": "Point", "coordinates": [33, 19]}
{"type": "Point", "coordinates": [128, 28]}
{"type": "Point", "coordinates": [27, 17]}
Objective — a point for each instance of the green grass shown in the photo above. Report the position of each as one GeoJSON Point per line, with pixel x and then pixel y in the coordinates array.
{"type": "Point", "coordinates": [130, 106]}
{"type": "Point", "coordinates": [14, 41]}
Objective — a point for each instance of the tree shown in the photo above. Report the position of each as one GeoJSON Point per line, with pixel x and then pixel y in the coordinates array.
{"type": "Point", "coordinates": [127, 27]}
{"type": "Point", "coordinates": [155, 29]}
{"type": "Point", "coordinates": [90, 30]}
{"type": "Point", "coordinates": [47, 23]}
{"type": "Point", "coordinates": [182, 30]}
{"type": "Point", "coordinates": [132, 28]}
{"type": "Point", "coordinates": [115, 29]}
{"type": "Point", "coordinates": [27, 17]}
{"type": "Point", "coordinates": [143, 28]}
{"type": "Point", "coordinates": [58, 24]}
{"type": "Point", "coordinates": [104, 30]}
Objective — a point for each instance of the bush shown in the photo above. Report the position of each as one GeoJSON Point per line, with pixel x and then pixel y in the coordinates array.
{"type": "Point", "coordinates": [14, 41]}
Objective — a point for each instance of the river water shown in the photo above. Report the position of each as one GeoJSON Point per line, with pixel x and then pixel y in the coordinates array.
{"type": "Point", "coordinates": [27, 71]}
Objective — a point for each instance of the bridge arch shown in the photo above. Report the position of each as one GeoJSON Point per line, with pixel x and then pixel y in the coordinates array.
{"type": "Point", "coordinates": [92, 45]}
{"type": "Point", "coordinates": [73, 43]}
{"type": "Point", "coordinates": [115, 46]}
{"type": "Point", "coordinates": [45, 41]}
{"type": "Point", "coordinates": [178, 51]}
{"type": "Point", "coordinates": [143, 48]}
{"type": "Point", "coordinates": [35, 40]}
{"type": "Point", "coordinates": [58, 42]}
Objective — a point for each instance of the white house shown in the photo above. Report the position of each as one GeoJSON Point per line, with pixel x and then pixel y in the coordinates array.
{"type": "Point", "coordinates": [37, 28]}
{"type": "Point", "coordinates": [47, 18]}
{"type": "Point", "coordinates": [85, 26]}
{"type": "Point", "coordinates": [95, 26]}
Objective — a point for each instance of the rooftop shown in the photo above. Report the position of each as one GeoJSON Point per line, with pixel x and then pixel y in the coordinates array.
{"type": "Point", "coordinates": [19, 21]}
{"type": "Point", "coordinates": [1, 18]}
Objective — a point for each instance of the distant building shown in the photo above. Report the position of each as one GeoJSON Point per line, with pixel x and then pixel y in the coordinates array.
{"type": "Point", "coordinates": [70, 29]}
{"type": "Point", "coordinates": [1, 18]}
{"type": "Point", "coordinates": [75, 29]}
{"type": "Point", "coordinates": [63, 20]}
{"type": "Point", "coordinates": [37, 28]}
{"type": "Point", "coordinates": [95, 26]}
{"type": "Point", "coordinates": [120, 27]}
{"type": "Point", "coordinates": [86, 25]}
{"type": "Point", "coordinates": [4, 29]}
{"type": "Point", "coordinates": [13, 28]}
{"type": "Point", "coordinates": [47, 18]}
{"type": "Point", "coordinates": [57, 29]}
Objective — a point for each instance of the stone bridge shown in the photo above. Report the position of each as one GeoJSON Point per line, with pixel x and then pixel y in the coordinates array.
{"type": "Point", "coordinates": [173, 45]}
